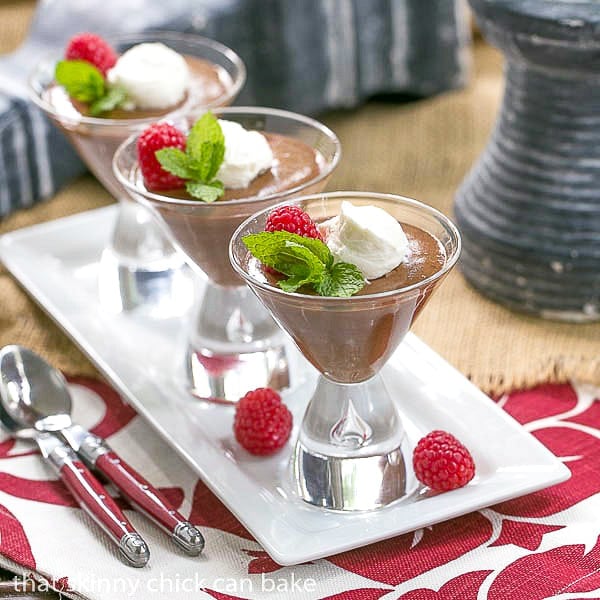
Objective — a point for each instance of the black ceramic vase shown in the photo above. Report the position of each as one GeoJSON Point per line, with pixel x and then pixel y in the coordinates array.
{"type": "Point", "coordinates": [529, 211]}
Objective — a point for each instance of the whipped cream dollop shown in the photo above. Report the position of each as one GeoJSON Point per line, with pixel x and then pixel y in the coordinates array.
{"type": "Point", "coordinates": [153, 75]}
{"type": "Point", "coordinates": [247, 155]}
{"type": "Point", "coordinates": [366, 236]}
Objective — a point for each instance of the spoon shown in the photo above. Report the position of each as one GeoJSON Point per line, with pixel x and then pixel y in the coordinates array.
{"type": "Point", "coordinates": [48, 405]}
{"type": "Point", "coordinates": [20, 383]}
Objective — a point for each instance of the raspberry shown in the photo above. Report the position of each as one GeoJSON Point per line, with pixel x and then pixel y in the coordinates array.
{"type": "Point", "coordinates": [293, 219]}
{"type": "Point", "coordinates": [262, 422]}
{"type": "Point", "coordinates": [441, 462]}
{"type": "Point", "coordinates": [156, 137]}
{"type": "Point", "coordinates": [93, 49]}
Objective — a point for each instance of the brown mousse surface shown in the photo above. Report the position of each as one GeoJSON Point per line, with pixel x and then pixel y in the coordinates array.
{"type": "Point", "coordinates": [294, 164]}
{"type": "Point", "coordinates": [426, 256]}
{"type": "Point", "coordinates": [203, 230]}
{"type": "Point", "coordinates": [208, 82]}
{"type": "Point", "coordinates": [350, 339]}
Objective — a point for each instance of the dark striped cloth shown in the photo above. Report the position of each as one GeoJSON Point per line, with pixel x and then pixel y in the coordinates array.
{"type": "Point", "coordinates": [35, 158]}
{"type": "Point", "coordinates": [303, 55]}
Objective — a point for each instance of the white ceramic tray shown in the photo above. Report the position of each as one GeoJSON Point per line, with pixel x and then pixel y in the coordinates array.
{"type": "Point", "coordinates": [57, 263]}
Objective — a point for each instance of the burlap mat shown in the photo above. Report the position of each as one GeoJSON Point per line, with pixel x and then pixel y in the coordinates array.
{"type": "Point", "coordinates": [15, 16]}
{"type": "Point", "coordinates": [420, 149]}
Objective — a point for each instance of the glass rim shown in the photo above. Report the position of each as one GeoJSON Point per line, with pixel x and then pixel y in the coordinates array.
{"type": "Point", "coordinates": [162, 35]}
{"type": "Point", "coordinates": [233, 110]}
{"type": "Point", "coordinates": [448, 225]}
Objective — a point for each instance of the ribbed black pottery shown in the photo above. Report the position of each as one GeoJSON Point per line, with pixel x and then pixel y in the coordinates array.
{"type": "Point", "coordinates": [529, 210]}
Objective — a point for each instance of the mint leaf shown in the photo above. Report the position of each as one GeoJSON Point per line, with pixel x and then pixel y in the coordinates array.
{"type": "Point", "coordinates": [84, 82]}
{"type": "Point", "coordinates": [81, 80]}
{"type": "Point", "coordinates": [306, 261]}
{"type": "Point", "coordinates": [291, 284]}
{"type": "Point", "coordinates": [206, 147]}
{"type": "Point", "coordinates": [285, 252]}
{"type": "Point", "coordinates": [115, 96]}
{"type": "Point", "coordinates": [265, 246]}
{"type": "Point", "coordinates": [175, 161]}
{"type": "Point", "coordinates": [204, 153]}
{"type": "Point", "coordinates": [274, 239]}
{"type": "Point", "coordinates": [317, 247]}
{"type": "Point", "coordinates": [298, 261]}
{"type": "Point", "coordinates": [207, 192]}
{"type": "Point", "coordinates": [282, 251]}
{"type": "Point", "coordinates": [342, 280]}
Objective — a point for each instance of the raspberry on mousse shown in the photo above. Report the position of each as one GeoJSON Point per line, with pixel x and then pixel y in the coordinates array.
{"type": "Point", "coordinates": [293, 220]}
{"type": "Point", "coordinates": [441, 462]}
{"type": "Point", "coordinates": [156, 137]}
{"type": "Point", "coordinates": [93, 49]}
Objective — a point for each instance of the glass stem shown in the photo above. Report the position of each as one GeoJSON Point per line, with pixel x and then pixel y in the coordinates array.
{"type": "Point", "coordinates": [349, 417]}
{"type": "Point", "coordinates": [138, 237]}
{"type": "Point", "coordinates": [229, 320]}
{"type": "Point", "coordinates": [352, 453]}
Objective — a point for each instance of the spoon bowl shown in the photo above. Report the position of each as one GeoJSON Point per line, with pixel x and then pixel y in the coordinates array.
{"type": "Point", "coordinates": [33, 394]}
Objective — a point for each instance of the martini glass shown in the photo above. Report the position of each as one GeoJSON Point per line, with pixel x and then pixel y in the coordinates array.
{"type": "Point", "coordinates": [140, 269]}
{"type": "Point", "coordinates": [233, 344]}
{"type": "Point", "coordinates": [352, 452]}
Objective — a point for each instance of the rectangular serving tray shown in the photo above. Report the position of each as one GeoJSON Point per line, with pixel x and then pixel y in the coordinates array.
{"type": "Point", "coordinates": [57, 263]}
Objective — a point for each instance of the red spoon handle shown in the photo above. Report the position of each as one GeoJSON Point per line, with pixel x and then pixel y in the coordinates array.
{"type": "Point", "coordinates": [95, 500]}
{"type": "Point", "coordinates": [147, 499]}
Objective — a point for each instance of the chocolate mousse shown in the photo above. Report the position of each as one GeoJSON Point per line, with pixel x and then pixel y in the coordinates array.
{"type": "Point", "coordinates": [97, 138]}
{"type": "Point", "coordinates": [349, 339]}
{"type": "Point", "coordinates": [370, 262]}
{"type": "Point", "coordinates": [203, 229]}
{"type": "Point", "coordinates": [208, 83]}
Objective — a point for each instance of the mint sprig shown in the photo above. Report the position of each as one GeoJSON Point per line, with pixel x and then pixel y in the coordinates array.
{"type": "Point", "coordinates": [306, 261]}
{"type": "Point", "coordinates": [199, 164]}
{"type": "Point", "coordinates": [114, 97]}
{"type": "Point", "coordinates": [207, 192]}
{"type": "Point", "coordinates": [341, 280]}
{"type": "Point", "coordinates": [85, 83]}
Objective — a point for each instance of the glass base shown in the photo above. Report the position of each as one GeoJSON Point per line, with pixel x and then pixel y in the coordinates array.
{"type": "Point", "coordinates": [234, 346]}
{"type": "Point", "coordinates": [225, 378]}
{"type": "Point", "coordinates": [353, 483]}
{"type": "Point", "coordinates": [352, 452]}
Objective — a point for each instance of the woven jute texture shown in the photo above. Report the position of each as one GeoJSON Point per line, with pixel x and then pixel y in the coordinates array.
{"type": "Point", "coordinates": [15, 16]}
{"type": "Point", "coordinates": [421, 149]}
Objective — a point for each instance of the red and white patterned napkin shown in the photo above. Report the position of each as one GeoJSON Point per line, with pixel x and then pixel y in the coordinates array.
{"type": "Point", "coordinates": [544, 545]}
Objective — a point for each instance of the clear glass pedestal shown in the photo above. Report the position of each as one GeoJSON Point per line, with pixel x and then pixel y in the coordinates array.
{"type": "Point", "coordinates": [140, 270]}
{"type": "Point", "coordinates": [351, 452]}
{"type": "Point", "coordinates": [234, 346]}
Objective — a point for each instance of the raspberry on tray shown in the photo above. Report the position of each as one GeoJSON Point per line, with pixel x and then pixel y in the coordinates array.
{"type": "Point", "coordinates": [262, 424]}
{"type": "Point", "coordinates": [441, 462]}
